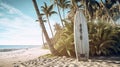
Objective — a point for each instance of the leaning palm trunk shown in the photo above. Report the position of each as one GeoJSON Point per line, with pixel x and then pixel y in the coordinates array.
{"type": "Point", "coordinates": [43, 39]}
{"type": "Point", "coordinates": [63, 13]}
{"type": "Point", "coordinates": [60, 14]}
{"type": "Point", "coordinates": [119, 5]}
{"type": "Point", "coordinates": [108, 14]}
{"type": "Point", "coordinates": [50, 26]}
{"type": "Point", "coordinates": [52, 49]}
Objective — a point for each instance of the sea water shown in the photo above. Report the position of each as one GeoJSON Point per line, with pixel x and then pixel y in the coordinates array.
{"type": "Point", "coordinates": [17, 46]}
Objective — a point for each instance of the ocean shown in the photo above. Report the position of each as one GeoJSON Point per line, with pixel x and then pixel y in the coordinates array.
{"type": "Point", "coordinates": [17, 46]}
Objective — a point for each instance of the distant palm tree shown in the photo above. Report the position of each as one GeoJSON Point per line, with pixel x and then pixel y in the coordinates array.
{"type": "Point", "coordinates": [57, 27]}
{"type": "Point", "coordinates": [43, 43]}
{"type": "Point", "coordinates": [63, 4]}
{"type": "Point", "coordinates": [73, 7]}
{"type": "Point", "coordinates": [51, 47]}
{"type": "Point", "coordinates": [56, 2]}
{"type": "Point", "coordinates": [48, 11]}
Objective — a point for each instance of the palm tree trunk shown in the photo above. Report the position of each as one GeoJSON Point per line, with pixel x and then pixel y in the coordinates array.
{"type": "Point", "coordinates": [63, 13]}
{"type": "Point", "coordinates": [50, 26]}
{"type": "Point", "coordinates": [108, 14]}
{"type": "Point", "coordinates": [85, 7]}
{"type": "Point", "coordinates": [52, 49]}
{"type": "Point", "coordinates": [43, 39]}
{"type": "Point", "coordinates": [59, 14]}
{"type": "Point", "coordinates": [118, 4]}
{"type": "Point", "coordinates": [85, 2]}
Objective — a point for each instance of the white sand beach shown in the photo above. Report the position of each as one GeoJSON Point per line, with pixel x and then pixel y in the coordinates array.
{"type": "Point", "coordinates": [29, 58]}
{"type": "Point", "coordinates": [72, 62]}
{"type": "Point", "coordinates": [7, 59]}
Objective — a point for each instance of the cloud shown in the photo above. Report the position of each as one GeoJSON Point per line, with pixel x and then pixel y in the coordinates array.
{"type": "Point", "coordinates": [20, 30]}
{"type": "Point", "coordinates": [10, 9]}
{"type": "Point", "coordinates": [1, 14]}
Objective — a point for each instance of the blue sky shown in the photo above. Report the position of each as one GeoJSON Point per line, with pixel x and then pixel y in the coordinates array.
{"type": "Point", "coordinates": [17, 23]}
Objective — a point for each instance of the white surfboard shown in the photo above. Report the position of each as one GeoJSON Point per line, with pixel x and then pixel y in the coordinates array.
{"type": "Point", "coordinates": [81, 36]}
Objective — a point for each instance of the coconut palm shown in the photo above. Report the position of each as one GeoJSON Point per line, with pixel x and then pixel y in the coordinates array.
{"type": "Point", "coordinates": [90, 8]}
{"type": "Point", "coordinates": [43, 43]}
{"type": "Point", "coordinates": [56, 3]}
{"type": "Point", "coordinates": [73, 7]}
{"type": "Point", "coordinates": [57, 27]}
{"type": "Point", "coordinates": [48, 11]}
{"type": "Point", "coordinates": [63, 4]}
{"type": "Point", "coordinates": [51, 47]}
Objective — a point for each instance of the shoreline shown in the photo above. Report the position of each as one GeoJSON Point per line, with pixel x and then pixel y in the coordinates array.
{"type": "Point", "coordinates": [8, 50]}
{"type": "Point", "coordinates": [36, 57]}
{"type": "Point", "coordinates": [18, 46]}
{"type": "Point", "coordinates": [8, 59]}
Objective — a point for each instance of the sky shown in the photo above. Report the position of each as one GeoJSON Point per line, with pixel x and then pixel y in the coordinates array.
{"type": "Point", "coordinates": [17, 23]}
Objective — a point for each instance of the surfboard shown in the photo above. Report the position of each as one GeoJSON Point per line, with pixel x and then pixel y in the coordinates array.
{"type": "Point", "coordinates": [81, 39]}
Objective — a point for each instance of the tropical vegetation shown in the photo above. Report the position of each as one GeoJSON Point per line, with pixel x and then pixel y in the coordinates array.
{"type": "Point", "coordinates": [104, 32]}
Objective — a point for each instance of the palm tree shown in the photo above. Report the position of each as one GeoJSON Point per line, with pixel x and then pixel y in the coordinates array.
{"type": "Point", "coordinates": [43, 39]}
{"type": "Point", "coordinates": [48, 12]}
{"type": "Point", "coordinates": [57, 27]}
{"type": "Point", "coordinates": [73, 7]}
{"type": "Point", "coordinates": [63, 4]}
{"type": "Point", "coordinates": [107, 12]}
{"type": "Point", "coordinates": [90, 8]}
{"type": "Point", "coordinates": [51, 47]}
{"type": "Point", "coordinates": [43, 43]}
{"type": "Point", "coordinates": [56, 2]}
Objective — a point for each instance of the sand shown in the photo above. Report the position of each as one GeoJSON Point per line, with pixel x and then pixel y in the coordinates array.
{"type": "Point", "coordinates": [8, 59]}
{"type": "Point", "coordinates": [72, 62]}
{"type": "Point", "coordinates": [32, 57]}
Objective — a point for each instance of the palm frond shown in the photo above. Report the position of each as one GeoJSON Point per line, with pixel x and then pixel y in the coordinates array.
{"type": "Point", "coordinates": [50, 7]}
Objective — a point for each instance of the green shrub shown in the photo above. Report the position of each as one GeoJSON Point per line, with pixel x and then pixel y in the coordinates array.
{"type": "Point", "coordinates": [65, 40]}
{"type": "Point", "coordinates": [104, 39]}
